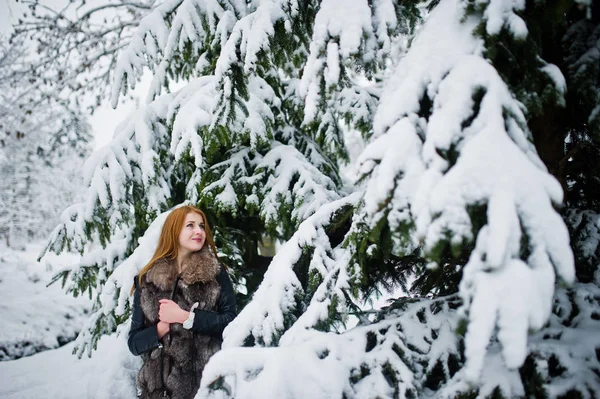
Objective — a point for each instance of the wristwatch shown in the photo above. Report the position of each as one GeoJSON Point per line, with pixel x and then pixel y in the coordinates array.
{"type": "Point", "coordinates": [189, 322]}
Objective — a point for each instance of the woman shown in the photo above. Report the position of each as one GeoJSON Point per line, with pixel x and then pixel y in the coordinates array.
{"type": "Point", "coordinates": [183, 299]}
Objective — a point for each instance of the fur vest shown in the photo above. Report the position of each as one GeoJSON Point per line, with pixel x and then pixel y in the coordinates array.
{"type": "Point", "coordinates": [176, 365]}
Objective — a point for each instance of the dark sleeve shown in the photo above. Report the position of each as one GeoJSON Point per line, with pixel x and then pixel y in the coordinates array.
{"type": "Point", "coordinates": [141, 338]}
{"type": "Point", "coordinates": [213, 323]}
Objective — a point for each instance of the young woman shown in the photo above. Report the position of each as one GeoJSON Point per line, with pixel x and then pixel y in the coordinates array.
{"type": "Point", "coordinates": [183, 299]}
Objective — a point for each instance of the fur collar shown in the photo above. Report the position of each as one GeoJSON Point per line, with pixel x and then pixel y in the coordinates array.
{"type": "Point", "coordinates": [200, 267]}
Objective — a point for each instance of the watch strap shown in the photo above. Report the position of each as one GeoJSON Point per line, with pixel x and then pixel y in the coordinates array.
{"type": "Point", "coordinates": [189, 322]}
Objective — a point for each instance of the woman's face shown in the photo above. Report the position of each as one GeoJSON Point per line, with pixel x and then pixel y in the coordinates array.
{"type": "Point", "coordinates": [192, 235]}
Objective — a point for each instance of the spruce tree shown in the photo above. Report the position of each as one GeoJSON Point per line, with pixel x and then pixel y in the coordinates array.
{"type": "Point", "coordinates": [230, 141]}
{"type": "Point", "coordinates": [454, 204]}
{"type": "Point", "coordinates": [453, 191]}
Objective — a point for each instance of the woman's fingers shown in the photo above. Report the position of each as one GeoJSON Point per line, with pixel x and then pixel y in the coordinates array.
{"type": "Point", "coordinates": [169, 311]}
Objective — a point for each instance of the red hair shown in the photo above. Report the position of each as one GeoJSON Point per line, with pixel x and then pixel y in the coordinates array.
{"type": "Point", "coordinates": [168, 246]}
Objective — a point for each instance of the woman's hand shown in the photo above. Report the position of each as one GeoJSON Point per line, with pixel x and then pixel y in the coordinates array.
{"type": "Point", "coordinates": [170, 312]}
{"type": "Point", "coordinates": [162, 328]}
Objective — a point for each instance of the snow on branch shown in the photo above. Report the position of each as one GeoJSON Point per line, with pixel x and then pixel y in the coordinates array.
{"type": "Point", "coordinates": [291, 181]}
{"type": "Point", "coordinates": [233, 173]}
{"type": "Point", "coordinates": [279, 299]}
{"type": "Point", "coordinates": [244, 101]}
{"type": "Point", "coordinates": [519, 206]}
{"type": "Point", "coordinates": [478, 181]}
{"type": "Point", "coordinates": [283, 182]}
{"type": "Point", "coordinates": [258, 115]}
{"type": "Point", "coordinates": [343, 31]}
{"type": "Point", "coordinates": [245, 105]}
{"type": "Point", "coordinates": [335, 37]}
{"type": "Point", "coordinates": [129, 159]}
{"type": "Point", "coordinates": [190, 111]}
{"type": "Point", "coordinates": [313, 153]}
{"type": "Point", "coordinates": [144, 49]}
{"type": "Point", "coordinates": [503, 14]}
{"type": "Point", "coordinates": [560, 360]}
{"type": "Point", "coordinates": [196, 23]}
{"type": "Point", "coordinates": [395, 153]}
{"type": "Point", "coordinates": [133, 156]}
{"type": "Point", "coordinates": [251, 34]}
{"type": "Point", "coordinates": [387, 358]}
{"type": "Point", "coordinates": [566, 346]}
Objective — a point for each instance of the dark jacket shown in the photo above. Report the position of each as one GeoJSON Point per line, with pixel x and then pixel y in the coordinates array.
{"type": "Point", "coordinates": [175, 363]}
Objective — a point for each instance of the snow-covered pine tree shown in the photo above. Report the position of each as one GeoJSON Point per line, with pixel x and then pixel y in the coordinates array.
{"type": "Point", "coordinates": [451, 178]}
{"type": "Point", "coordinates": [450, 189]}
{"type": "Point", "coordinates": [564, 360]}
{"type": "Point", "coordinates": [232, 140]}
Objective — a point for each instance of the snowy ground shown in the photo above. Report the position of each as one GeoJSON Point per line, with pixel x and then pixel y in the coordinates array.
{"type": "Point", "coordinates": [38, 318]}
{"type": "Point", "coordinates": [109, 373]}
{"type": "Point", "coordinates": [34, 317]}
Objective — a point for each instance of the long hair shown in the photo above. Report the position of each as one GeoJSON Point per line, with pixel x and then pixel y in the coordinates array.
{"type": "Point", "coordinates": [168, 242]}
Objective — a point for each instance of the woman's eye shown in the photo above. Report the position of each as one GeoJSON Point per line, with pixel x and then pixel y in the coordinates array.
{"type": "Point", "coordinates": [201, 226]}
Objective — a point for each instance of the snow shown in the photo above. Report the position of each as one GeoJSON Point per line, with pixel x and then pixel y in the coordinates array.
{"type": "Point", "coordinates": [58, 374]}
{"type": "Point", "coordinates": [264, 318]}
{"type": "Point", "coordinates": [557, 77]}
{"type": "Point", "coordinates": [35, 317]}
{"type": "Point", "coordinates": [494, 164]}
{"type": "Point", "coordinates": [39, 318]}
{"type": "Point", "coordinates": [191, 110]}
{"type": "Point", "coordinates": [325, 365]}
{"type": "Point", "coordinates": [230, 170]}
{"type": "Point", "coordinates": [311, 190]}
{"type": "Point", "coordinates": [564, 349]}
{"type": "Point", "coordinates": [494, 376]}
{"type": "Point", "coordinates": [438, 45]}
{"type": "Point", "coordinates": [290, 381]}
{"type": "Point", "coordinates": [150, 39]}
{"type": "Point", "coordinates": [155, 44]}
{"type": "Point", "coordinates": [396, 151]}
{"type": "Point", "coordinates": [341, 30]}
{"type": "Point", "coordinates": [500, 13]}
{"type": "Point", "coordinates": [424, 169]}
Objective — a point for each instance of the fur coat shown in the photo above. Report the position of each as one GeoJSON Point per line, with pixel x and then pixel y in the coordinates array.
{"type": "Point", "coordinates": [183, 353]}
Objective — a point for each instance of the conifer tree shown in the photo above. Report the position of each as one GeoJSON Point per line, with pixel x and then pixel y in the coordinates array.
{"type": "Point", "coordinates": [231, 141]}
{"type": "Point", "coordinates": [455, 202]}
